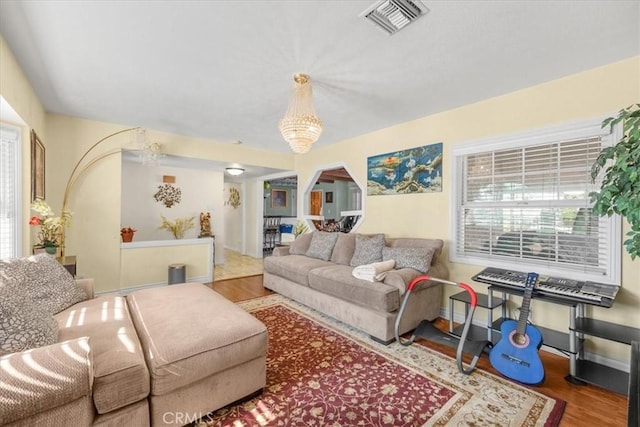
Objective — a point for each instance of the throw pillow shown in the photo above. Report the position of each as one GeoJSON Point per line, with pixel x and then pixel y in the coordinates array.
{"type": "Point", "coordinates": [343, 251]}
{"type": "Point", "coordinates": [368, 249]}
{"type": "Point", "coordinates": [416, 258]}
{"type": "Point", "coordinates": [322, 243]}
{"type": "Point", "coordinates": [23, 325]}
{"type": "Point", "coordinates": [300, 245]}
{"type": "Point", "coordinates": [44, 280]}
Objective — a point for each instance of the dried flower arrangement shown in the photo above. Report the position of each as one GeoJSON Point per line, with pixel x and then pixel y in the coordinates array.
{"type": "Point", "coordinates": [177, 227]}
{"type": "Point", "coordinates": [168, 194]}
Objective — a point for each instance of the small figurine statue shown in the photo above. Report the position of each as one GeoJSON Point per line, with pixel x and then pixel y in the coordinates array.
{"type": "Point", "coordinates": [205, 225]}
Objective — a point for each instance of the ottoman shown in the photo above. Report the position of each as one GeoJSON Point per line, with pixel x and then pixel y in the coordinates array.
{"type": "Point", "coordinates": [203, 351]}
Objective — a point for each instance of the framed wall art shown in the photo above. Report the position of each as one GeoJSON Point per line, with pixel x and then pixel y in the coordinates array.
{"type": "Point", "coordinates": [279, 199]}
{"type": "Point", "coordinates": [414, 170]}
{"type": "Point", "coordinates": [328, 197]}
{"type": "Point", "coordinates": [37, 167]}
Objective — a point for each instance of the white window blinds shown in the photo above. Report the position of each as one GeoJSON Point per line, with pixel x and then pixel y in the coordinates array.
{"type": "Point", "coordinates": [9, 191]}
{"type": "Point", "coordinates": [527, 204]}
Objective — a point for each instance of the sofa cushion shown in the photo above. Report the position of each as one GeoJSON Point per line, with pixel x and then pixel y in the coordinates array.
{"type": "Point", "coordinates": [368, 249]}
{"type": "Point", "coordinates": [337, 280]}
{"type": "Point", "coordinates": [48, 386]}
{"type": "Point", "coordinates": [321, 246]}
{"type": "Point", "coordinates": [300, 245]}
{"type": "Point", "coordinates": [187, 346]}
{"type": "Point", "coordinates": [43, 279]}
{"type": "Point", "coordinates": [293, 267]}
{"type": "Point", "coordinates": [416, 258]}
{"type": "Point", "coordinates": [344, 248]}
{"type": "Point", "coordinates": [23, 325]}
{"type": "Point", "coordinates": [121, 375]}
{"type": "Point", "coordinates": [408, 242]}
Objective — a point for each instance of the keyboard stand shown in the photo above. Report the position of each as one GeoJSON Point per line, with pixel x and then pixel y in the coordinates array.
{"type": "Point", "coordinates": [581, 371]}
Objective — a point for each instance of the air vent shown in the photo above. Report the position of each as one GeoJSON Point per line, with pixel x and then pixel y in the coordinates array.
{"type": "Point", "coordinates": [393, 15]}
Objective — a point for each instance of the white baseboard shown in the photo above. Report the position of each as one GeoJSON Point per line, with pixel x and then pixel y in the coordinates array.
{"type": "Point", "coordinates": [620, 365]}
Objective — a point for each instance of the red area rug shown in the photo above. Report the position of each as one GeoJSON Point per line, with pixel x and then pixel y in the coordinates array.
{"type": "Point", "coordinates": [321, 372]}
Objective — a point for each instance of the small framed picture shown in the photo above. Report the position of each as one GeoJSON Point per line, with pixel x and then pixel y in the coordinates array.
{"type": "Point", "coordinates": [37, 167]}
{"type": "Point", "coordinates": [279, 199]}
{"type": "Point", "coordinates": [328, 197]}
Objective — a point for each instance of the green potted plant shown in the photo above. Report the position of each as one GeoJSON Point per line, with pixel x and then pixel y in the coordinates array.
{"type": "Point", "coordinates": [620, 188]}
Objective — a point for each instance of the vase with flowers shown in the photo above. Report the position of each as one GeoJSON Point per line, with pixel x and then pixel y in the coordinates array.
{"type": "Point", "coordinates": [127, 234]}
{"type": "Point", "coordinates": [50, 236]}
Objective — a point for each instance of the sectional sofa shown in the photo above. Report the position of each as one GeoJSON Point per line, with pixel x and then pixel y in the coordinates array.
{"type": "Point", "coordinates": [160, 356]}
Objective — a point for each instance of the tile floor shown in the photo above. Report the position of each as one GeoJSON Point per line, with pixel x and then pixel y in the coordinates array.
{"type": "Point", "coordinates": [237, 265]}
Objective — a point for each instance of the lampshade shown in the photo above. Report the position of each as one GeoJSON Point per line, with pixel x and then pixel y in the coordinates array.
{"type": "Point", "coordinates": [300, 127]}
{"type": "Point", "coordinates": [235, 171]}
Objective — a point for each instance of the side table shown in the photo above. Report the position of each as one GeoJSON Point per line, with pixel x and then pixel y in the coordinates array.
{"type": "Point", "coordinates": [68, 262]}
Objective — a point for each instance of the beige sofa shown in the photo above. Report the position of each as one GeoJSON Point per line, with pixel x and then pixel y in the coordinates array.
{"type": "Point", "coordinates": [328, 285]}
{"type": "Point", "coordinates": [161, 356]}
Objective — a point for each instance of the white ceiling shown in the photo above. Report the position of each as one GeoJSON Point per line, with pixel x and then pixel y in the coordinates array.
{"type": "Point", "coordinates": [223, 69]}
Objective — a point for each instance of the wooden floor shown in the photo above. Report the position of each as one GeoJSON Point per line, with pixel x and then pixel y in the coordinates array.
{"type": "Point", "coordinates": [586, 405]}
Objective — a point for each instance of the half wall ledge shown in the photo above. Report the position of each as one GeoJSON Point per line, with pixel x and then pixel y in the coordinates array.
{"type": "Point", "coordinates": [144, 263]}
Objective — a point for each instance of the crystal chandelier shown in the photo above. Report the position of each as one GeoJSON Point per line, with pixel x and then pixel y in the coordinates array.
{"type": "Point", "coordinates": [300, 126]}
{"type": "Point", "coordinates": [150, 152]}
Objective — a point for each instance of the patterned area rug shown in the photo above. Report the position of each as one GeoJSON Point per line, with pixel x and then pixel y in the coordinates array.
{"type": "Point", "coordinates": [321, 372]}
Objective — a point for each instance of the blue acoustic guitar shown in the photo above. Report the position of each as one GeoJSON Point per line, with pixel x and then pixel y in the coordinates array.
{"type": "Point", "coordinates": [516, 354]}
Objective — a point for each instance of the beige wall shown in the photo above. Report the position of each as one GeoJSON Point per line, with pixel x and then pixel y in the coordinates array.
{"type": "Point", "coordinates": [144, 266]}
{"type": "Point", "coordinates": [18, 92]}
{"type": "Point", "coordinates": [581, 96]}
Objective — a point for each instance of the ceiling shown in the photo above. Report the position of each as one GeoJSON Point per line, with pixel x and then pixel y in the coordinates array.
{"type": "Point", "coordinates": [223, 70]}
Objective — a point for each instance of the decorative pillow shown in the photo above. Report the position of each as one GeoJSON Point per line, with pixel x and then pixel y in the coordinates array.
{"type": "Point", "coordinates": [300, 245]}
{"type": "Point", "coordinates": [23, 325]}
{"type": "Point", "coordinates": [322, 244]}
{"type": "Point", "coordinates": [416, 258]}
{"type": "Point", "coordinates": [409, 242]}
{"type": "Point", "coordinates": [368, 249]}
{"type": "Point", "coordinates": [343, 251]}
{"type": "Point", "coordinates": [42, 279]}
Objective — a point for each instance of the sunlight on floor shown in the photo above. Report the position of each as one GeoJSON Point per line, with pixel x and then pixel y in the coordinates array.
{"type": "Point", "coordinates": [237, 265]}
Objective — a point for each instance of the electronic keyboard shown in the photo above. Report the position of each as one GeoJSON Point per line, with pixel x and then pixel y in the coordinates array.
{"type": "Point", "coordinates": [588, 292]}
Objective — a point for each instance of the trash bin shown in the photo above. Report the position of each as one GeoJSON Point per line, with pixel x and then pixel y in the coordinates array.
{"type": "Point", "coordinates": [177, 273]}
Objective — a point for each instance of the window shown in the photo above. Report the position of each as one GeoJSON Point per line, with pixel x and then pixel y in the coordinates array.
{"type": "Point", "coordinates": [9, 191]}
{"type": "Point", "coordinates": [522, 203]}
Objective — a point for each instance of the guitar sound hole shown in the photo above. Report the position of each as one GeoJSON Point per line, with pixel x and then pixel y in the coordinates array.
{"type": "Point", "coordinates": [519, 340]}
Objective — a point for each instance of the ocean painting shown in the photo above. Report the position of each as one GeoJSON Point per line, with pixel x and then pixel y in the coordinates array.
{"type": "Point", "coordinates": [414, 170]}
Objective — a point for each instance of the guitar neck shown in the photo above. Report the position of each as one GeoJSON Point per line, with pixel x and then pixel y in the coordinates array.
{"type": "Point", "coordinates": [524, 312]}
{"type": "Point", "coordinates": [532, 278]}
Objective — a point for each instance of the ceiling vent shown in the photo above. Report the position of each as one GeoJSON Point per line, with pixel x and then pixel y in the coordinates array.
{"type": "Point", "coordinates": [393, 15]}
